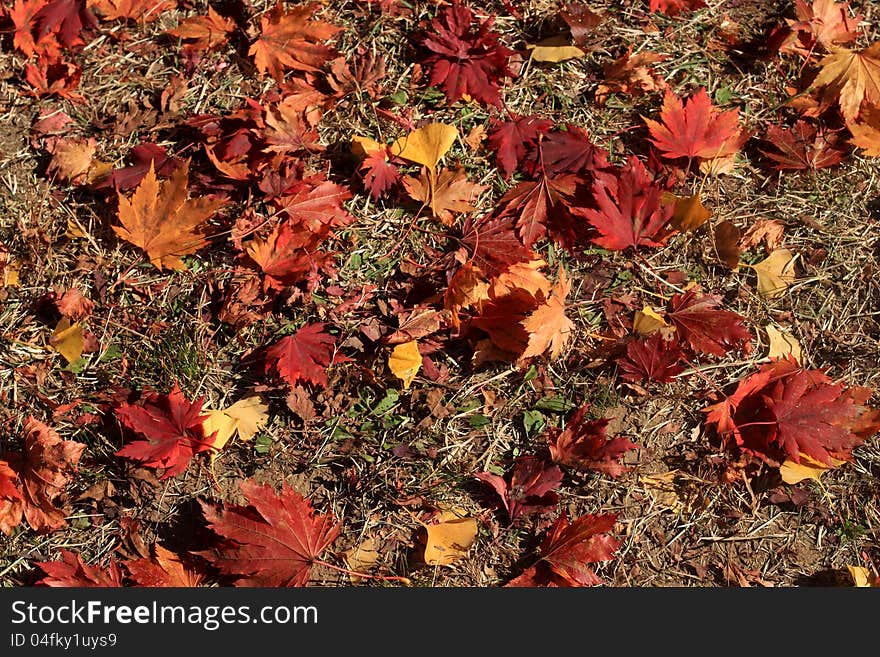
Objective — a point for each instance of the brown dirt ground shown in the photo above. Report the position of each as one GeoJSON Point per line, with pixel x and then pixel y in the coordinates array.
{"type": "Point", "coordinates": [692, 531]}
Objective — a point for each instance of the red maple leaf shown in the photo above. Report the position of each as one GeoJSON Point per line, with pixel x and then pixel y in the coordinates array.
{"type": "Point", "coordinates": [567, 550]}
{"type": "Point", "coordinates": [536, 203]}
{"type": "Point", "coordinates": [629, 209]}
{"type": "Point", "coordinates": [568, 151]}
{"type": "Point", "coordinates": [288, 255]}
{"type": "Point", "coordinates": [583, 445]}
{"type": "Point", "coordinates": [24, 17]}
{"type": "Point", "coordinates": [53, 78]}
{"type": "Point", "coordinates": [66, 19]}
{"type": "Point", "coordinates": [531, 488]}
{"type": "Point", "coordinates": [803, 146]}
{"type": "Point", "coordinates": [71, 572]}
{"type": "Point", "coordinates": [823, 22]}
{"type": "Point", "coordinates": [163, 569]}
{"type": "Point", "coordinates": [141, 156]}
{"type": "Point", "coordinates": [291, 40]}
{"type": "Point", "coordinates": [316, 203]}
{"type": "Point", "coordinates": [379, 174]}
{"type": "Point", "coordinates": [675, 7]}
{"type": "Point", "coordinates": [465, 60]}
{"type": "Point", "coordinates": [695, 128]}
{"type": "Point", "coordinates": [511, 140]}
{"type": "Point", "coordinates": [783, 411]}
{"type": "Point", "coordinates": [302, 356]}
{"type": "Point", "coordinates": [272, 542]}
{"type": "Point", "coordinates": [32, 483]}
{"type": "Point", "coordinates": [491, 245]}
{"type": "Point", "coordinates": [704, 327]}
{"type": "Point", "coordinates": [650, 359]}
{"type": "Point", "coordinates": [171, 427]}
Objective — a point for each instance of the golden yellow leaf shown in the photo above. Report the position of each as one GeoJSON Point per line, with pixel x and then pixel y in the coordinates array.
{"type": "Point", "coordinates": [555, 53]}
{"type": "Point", "coordinates": [67, 340]}
{"type": "Point", "coordinates": [861, 576]}
{"type": "Point", "coordinates": [363, 147]}
{"type": "Point", "coordinates": [647, 321]}
{"type": "Point", "coordinates": [851, 76]}
{"type": "Point", "coordinates": [405, 362]}
{"type": "Point", "coordinates": [160, 220]}
{"type": "Point", "coordinates": [783, 344]}
{"type": "Point", "coordinates": [808, 468]}
{"type": "Point", "coordinates": [690, 213]}
{"type": "Point", "coordinates": [10, 274]}
{"type": "Point", "coordinates": [449, 540]}
{"type": "Point", "coordinates": [426, 145]}
{"type": "Point", "coordinates": [775, 273]}
{"type": "Point", "coordinates": [246, 416]}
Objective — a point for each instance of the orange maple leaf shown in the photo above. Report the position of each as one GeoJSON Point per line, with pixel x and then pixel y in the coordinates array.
{"type": "Point", "coordinates": [853, 77]}
{"type": "Point", "coordinates": [290, 40]}
{"type": "Point", "coordinates": [161, 221]}
{"type": "Point", "coordinates": [547, 326]}
{"type": "Point", "coordinates": [450, 192]}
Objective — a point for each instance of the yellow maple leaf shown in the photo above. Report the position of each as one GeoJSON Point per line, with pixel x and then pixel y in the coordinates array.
{"type": "Point", "coordinates": [160, 220]}
{"type": "Point", "coordinates": [405, 362]}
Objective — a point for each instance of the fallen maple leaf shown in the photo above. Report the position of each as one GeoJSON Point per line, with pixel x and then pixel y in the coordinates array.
{"type": "Point", "coordinates": [783, 410]}
{"type": "Point", "coordinates": [567, 150]}
{"type": "Point", "coordinates": [291, 40]}
{"type": "Point", "coordinates": [287, 255]}
{"type": "Point", "coordinates": [803, 146]}
{"type": "Point", "coordinates": [450, 192]}
{"type": "Point", "coordinates": [632, 75]}
{"type": "Point", "coordinates": [466, 61]}
{"type": "Point", "coordinates": [490, 244]}
{"type": "Point", "coordinates": [302, 356]}
{"type": "Point", "coordinates": [851, 77]}
{"type": "Point", "coordinates": [650, 359]}
{"type": "Point", "coordinates": [274, 541]}
{"type": "Point", "coordinates": [204, 32]}
{"type": "Point", "coordinates": [581, 21]}
{"type": "Point", "coordinates": [171, 429]}
{"type": "Point", "coordinates": [823, 22]}
{"type": "Point", "coordinates": [535, 203]}
{"type": "Point", "coordinates": [531, 487]}
{"type": "Point", "coordinates": [769, 231]}
{"type": "Point", "coordinates": [866, 132]}
{"type": "Point", "coordinates": [160, 220]}
{"type": "Point", "coordinates": [141, 10]}
{"type": "Point", "coordinates": [705, 328]}
{"type": "Point", "coordinates": [72, 159]}
{"type": "Point", "coordinates": [630, 211]}
{"type": "Point", "coordinates": [548, 327]}
{"type": "Point", "coordinates": [567, 550]}
{"type": "Point", "coordinates": [583, 445]}
{"type": "Point", "coordinates": [66, 20]}
{"type": "Point", "coordinates": [164, 569]}
{"type": "Point", "coordinates": [72, 572]}
{"type": "Point", "coordinates": [379, 174]}
{"type": "Point", "coordinates": [39, 476]}
{"type": "Point", "coordinates": [695, 128]}
{"type": "Point", "coordinates": [510, 140]}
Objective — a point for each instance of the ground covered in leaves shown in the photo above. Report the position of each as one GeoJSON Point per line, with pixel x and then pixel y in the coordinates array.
{"type": "Point", "coordinates": [393, 293]}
